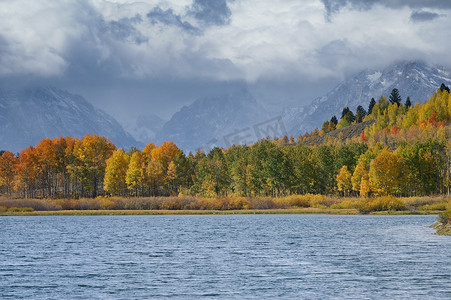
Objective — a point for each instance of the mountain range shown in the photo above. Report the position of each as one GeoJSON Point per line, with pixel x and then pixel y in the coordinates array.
{"type": "Point", "coordinates": [221, 121]}
{"type": "Point", "coordinates": [413, 79]}
{"type": "Point", "coordinates": [27, 116]}
{"type": "Point", "coordinates": [236, 117]}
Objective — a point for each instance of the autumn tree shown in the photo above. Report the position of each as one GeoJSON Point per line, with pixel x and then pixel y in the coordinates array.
{"type": "Point", "coordinates": [324, 128]}
{"type": "Point", "coordinates": [332, 126]}
{"type": "Point", "coordinates": [365, 186]}
{"type": "Point", "coordinates": [344, 183]}
{"type": "Point", "coordinates": [8, 164]}
{"type": "Point", "coordinates": [116, 172]}
{"type": "Point", "coordinates": [171, 176]}
{"type": "Point", "coordinates": [90, 156]}
{"type": "Point", "coordinates": [135, 173]}
{"type": "Point", "coordinates": [46, 165]}
{"type": "Point", "coordinates": [387, 173]}
{"type": "Point", "coordinates": [27, 172]}
{"type": "Point", "coordinates": [359, 174]}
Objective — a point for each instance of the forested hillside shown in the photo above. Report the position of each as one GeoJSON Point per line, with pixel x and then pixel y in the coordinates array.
{"type": "Point", "coordinates": [406, 151]}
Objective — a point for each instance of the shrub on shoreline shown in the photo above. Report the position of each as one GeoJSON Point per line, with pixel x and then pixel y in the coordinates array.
{"type": "Point", "coordinates": [364, 205]}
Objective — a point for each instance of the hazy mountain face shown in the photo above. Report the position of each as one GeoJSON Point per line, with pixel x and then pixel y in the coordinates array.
{"type": "Point", "coordinates": [414, 79]}
{"type": "Point", "coordinates": [28, 116]}
{"type": "Point", "coordinates": [145, 127]}
{"type": "Point", "coordinates": [234, 118]}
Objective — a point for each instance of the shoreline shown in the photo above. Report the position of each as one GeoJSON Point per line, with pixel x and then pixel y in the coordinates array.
{"type": "Point", "coordinates": [442, 229]}
{"type": "Point", "coordinates": [312, 211]}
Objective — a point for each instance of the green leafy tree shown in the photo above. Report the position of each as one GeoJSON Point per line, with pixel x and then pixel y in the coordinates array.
{"type": "Point", "coordinates": [218, 170]}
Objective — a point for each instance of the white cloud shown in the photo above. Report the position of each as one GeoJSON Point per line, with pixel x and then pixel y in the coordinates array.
{"type": "Point", "coordinates": [264, 39]}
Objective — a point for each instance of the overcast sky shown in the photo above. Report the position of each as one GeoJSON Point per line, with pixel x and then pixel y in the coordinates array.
{"type": "Point", "coordinates": [132, 57]}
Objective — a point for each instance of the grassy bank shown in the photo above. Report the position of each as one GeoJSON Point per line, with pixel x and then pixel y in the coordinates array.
{"type": "Point", "coordinates": [443, 225]}
{"type": "Point", "coordinates": [181, 212]}
{"type": "Point", "coordinates": [208, 212]}
{"type": "Point", "coordinates": [294, 204]}
{"type": "Point", "coordinates": [442, 229]}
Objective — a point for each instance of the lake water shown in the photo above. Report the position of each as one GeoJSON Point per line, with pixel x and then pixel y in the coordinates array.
{"type": "Point", "coordinates": [223, 256]}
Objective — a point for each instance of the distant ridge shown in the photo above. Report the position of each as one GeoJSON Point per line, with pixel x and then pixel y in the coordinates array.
{"type": "Point", "coordinates": [415, 79]}
{"type": "Point", "coordinates": [30, 115]}
{"type": "Point", "coordinates": [204, 123]}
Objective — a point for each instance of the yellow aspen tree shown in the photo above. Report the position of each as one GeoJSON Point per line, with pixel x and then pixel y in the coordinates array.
{"type": "Point", "coordinates": [135, 172]}
{"type": "Point", "coordinates": [365, 186]}
{"type": "Point", "coordinates": [344, 180]}
{"type": "Point", "coordinates": [7, 170]}
{"type": "Point", "coordinates": [154, 175]}
{"type": "Point", "coordinates": [115, 172]}
{"type": "Point", "coordinates": [359, 172]}
{"type": "Point", "coordinates": [89, 161]}
{"type": "Point", "coordinates": [147, 151]}
{"type": "Point", "coordinates": [449, 106]}
{"type": "Point", "coordinates": [171, 175]}
{"type": "Point", "coordinates": [386, 172]}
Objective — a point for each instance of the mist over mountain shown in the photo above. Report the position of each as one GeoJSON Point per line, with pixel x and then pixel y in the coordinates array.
{"type": "Point", "coordinates": [145, 128]}
{"type": "Point", "coordinates": [236, 117]}
{"type": "Point", "coordinates": [415, 79]}
{"type": "Point", "coordinates": [30, 115]}
{"type": "Point", "coordinates": [220, 120]}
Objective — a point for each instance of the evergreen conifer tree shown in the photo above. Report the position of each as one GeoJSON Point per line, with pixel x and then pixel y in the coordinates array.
{"type": "Point", "coordinates": [443, 87]}
{"type": "Point", "coordinates": [408, 103]}
{"type": "Point", "coordinates": [334, 120]}
{"type": "Point", "coordinates": [370, 107]}
{"type": "Point", "coordinates": [395, 97]}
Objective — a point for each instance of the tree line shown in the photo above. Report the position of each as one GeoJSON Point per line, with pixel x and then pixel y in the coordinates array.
{"type": "Point", "coordinates": [405, 152]}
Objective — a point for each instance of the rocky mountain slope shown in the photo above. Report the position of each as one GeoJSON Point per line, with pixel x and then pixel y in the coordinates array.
{"type": "Point", "coordinates": [27, 116]}
{"type": "Point", "coordinates": [216, 121]}
{"type": "Point", "coordinates": [414, 79]}
{"type": "Point", "coordinates": [145, 127]}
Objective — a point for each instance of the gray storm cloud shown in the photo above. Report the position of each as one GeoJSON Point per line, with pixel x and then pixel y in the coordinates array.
{"type": "Point", "coordinates": [333, 6]}
{"type": "Point", "coordinates": [211, 12]}
{"type": "Point", "coordinates": [163, 54]}
{"type": "Point", "coordinates": [423, 16]}
{"type": "Point", "coordinates": [235, 40]}
{"type": "Point", "coordinates": [169, 18]}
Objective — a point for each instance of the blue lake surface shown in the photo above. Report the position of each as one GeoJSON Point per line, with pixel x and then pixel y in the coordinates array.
{"type": "Point", "coordinates": [223, 257]}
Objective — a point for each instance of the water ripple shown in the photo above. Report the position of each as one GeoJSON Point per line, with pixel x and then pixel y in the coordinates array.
{"type": "Point", "coordinates": [223, 257]}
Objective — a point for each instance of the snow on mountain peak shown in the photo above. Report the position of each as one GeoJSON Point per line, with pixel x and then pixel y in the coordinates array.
{"type": "Point", "coordinates": [415, 79]}
{"type": "Point", "coordinates": [374, 77]}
